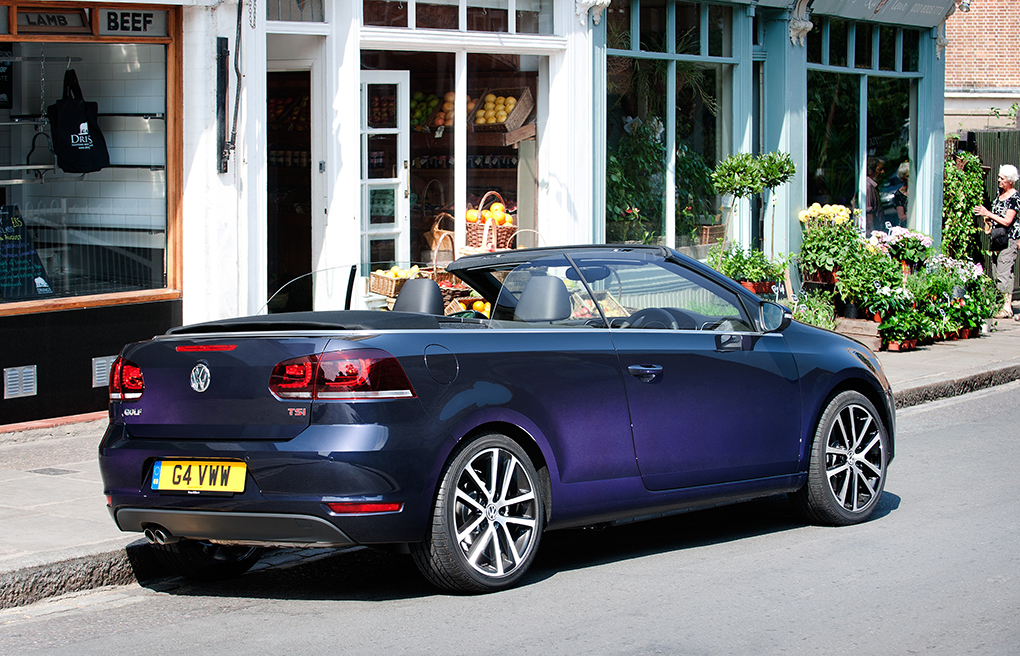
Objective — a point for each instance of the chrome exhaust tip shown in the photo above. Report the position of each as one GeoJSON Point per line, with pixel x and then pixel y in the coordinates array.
{"type": "Point", "coordinates": [159, 535]}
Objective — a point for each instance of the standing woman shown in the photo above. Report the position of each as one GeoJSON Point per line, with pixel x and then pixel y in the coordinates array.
{"type": "Point", "coordinates": [900, 198]}
{"type": "Point", "coordinates": [1004, 212]}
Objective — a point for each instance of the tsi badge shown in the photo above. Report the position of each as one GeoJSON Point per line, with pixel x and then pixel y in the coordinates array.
{"type": "Point", "coordinates": [200, 377]}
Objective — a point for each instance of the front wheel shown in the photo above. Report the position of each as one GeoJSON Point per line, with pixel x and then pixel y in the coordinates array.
{"type": "Point", "coordinates": [847, 469]}
{"type": "Point", "coordinates": [205, 561]}
{"type": "Point", "coordinates": [487, 519]}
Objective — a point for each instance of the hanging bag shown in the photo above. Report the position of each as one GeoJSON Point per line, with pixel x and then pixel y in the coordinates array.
{"type": "Point", "coordinates": [77, 140]}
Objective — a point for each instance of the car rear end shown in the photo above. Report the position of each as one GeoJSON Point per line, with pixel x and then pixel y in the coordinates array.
{"type": "Point", "coordinates": [262, 439]}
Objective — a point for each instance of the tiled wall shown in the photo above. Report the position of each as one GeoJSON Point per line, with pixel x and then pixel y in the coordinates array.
{"type": "Point", "coordinates": [121, 78]}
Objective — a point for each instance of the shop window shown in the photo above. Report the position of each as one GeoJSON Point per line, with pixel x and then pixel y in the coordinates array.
{"type": "Point", "coordinates": [814, 42]}
{"type": "Point", "coordinates": [839, 41]}
{"type": "Point", "coordinates": [487, 16]}
{"type": "Point", "coordinates": [911, 50]}
{"type": "Point", "coordinates": [501, 169]}
{"type": "Point", "coordinates": [617, 19]}
{"type": "Point", "coordinates": [863, 45]}
{"type": "Point", "coordinates": [437, 15]}
{"type": "Point", "coordinates": [295, 10]}
{"type": "Point", "coordinates": [887, 48]}
{"type": "Point", "coordinates": [529, 16]}
{"type": "Point", "coordinates": [635, 148]}
{"type": "Point", "coordinates": [653, 25]}
{"type": "Point", "coordinates": [698, 99]}
{"type": "Point", "coordinates": [84, 233]}
{"type": "Point", "coordinates": [688, 28]}
{"type": "Point", "coordinates": [534, 17]}
{"type": "Point", "coordinates": [833, 117]}
{"type": "Point", "coordinates": [720, 31]}
{"type": "Point", "coordinates": [386, 13]}
{"type": "Point", "coordinates": [888, 137]}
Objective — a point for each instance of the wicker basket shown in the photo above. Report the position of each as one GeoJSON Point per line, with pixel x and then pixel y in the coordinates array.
{"type": "Point", "coordinates": [486, 234]}
{"type": "Point", "coordinates": [517, 116]}
{"type": "Point", "coordinates": [380, 284]}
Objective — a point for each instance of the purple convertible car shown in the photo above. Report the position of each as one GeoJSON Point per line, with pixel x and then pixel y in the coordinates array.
{"type": "Point", "coordinates": [611, 383]}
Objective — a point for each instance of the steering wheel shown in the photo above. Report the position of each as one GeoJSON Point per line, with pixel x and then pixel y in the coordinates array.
{"type": "Point", "coordinates": [655, 318]}
{"type": "Point", "coordinates": [724, 323]}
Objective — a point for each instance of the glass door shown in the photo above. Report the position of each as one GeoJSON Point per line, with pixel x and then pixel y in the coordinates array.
{"type": "Point", "coordinates": [385, 154]}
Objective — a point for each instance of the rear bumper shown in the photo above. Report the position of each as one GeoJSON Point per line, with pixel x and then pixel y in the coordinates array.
{"type": "Point", "coordinates": [267, 529]}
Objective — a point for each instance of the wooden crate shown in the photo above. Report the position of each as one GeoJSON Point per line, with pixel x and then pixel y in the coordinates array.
{"type": "Point", "coordinates": [865, 332]}
{"type": "Point", "coordinates": [516, 118]}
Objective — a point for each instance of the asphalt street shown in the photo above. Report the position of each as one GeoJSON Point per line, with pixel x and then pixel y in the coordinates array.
{"type": "Point", "coordinates": [936, 571]}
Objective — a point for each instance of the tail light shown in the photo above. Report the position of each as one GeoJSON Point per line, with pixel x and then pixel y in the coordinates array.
{"type": "Point", "coordinates": [341, 375]}
{"type": "Point", "coordinates": [126, 382]}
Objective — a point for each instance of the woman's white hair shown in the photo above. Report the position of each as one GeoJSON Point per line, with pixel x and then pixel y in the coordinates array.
{"type": "Point", "coordinates": [903, 171]}
{"type": "Point", "coordinates": [1009, 172]}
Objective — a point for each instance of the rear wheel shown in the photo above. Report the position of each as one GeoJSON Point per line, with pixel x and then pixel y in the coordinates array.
{"type": "Point", "coordinates": [846, 473]}
{"type": "Point", "coordinates": [205, 561]}
{"type": "Point", "coordinates": [487, 519]}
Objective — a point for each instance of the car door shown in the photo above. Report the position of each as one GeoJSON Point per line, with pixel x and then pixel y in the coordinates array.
{"type": "Point", "coordinates": [711, 399]}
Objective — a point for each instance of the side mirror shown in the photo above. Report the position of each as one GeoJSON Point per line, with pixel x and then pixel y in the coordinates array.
{"type": "Point", "coordinates": [774, 317]}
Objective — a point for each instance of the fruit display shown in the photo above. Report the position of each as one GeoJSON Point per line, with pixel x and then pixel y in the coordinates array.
{"type": "Point", "coordinates": [382, 111]}
{"type": "Point", "coordinates": [423, 106]}
{"type": "Point", "coordinates": [431, 111]}
{"type": "Point", "coordinates": [497, 212]}
{"type": "Point", "coordinates": [495, 109]}
{"type": "Point", "coordinates": [398, 273]}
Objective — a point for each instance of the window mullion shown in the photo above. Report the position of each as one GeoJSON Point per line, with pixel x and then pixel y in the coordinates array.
{"type": "Point", "coordinates": [635, 25]}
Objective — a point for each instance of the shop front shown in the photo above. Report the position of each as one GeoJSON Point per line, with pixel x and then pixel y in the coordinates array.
{"type": "Point", "coordinates": [89, 195]}
{"type": "Point", "coordinates": [848, 89]}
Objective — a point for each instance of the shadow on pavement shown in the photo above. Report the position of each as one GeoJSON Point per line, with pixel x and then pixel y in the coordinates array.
{"type": "Point", "coordinates": [372, 575]}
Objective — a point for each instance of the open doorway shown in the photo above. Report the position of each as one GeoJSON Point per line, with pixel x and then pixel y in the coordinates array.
{"type": "Point", "coordinates": [289, 220]}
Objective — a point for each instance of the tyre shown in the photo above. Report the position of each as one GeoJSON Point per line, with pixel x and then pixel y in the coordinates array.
{"type": "Point", "coordinates": [487, 519]}
{"type": "Point", "coordinates": [205, 561]}
{"type": "Point", "coordinates": [847, 468]}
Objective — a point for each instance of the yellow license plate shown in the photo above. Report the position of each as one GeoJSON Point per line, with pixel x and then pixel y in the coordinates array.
{"type": "Point", "coordinates": [198, 476]}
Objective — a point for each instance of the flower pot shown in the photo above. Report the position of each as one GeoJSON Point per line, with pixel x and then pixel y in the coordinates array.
{"type": "Point", "coordinates": [851, 311]}
{"type": "Point", "coordinates": [894, 346]}
{"type": "Point", "coordinates": [877, 318]}
{"type": "Point", "coordinates": [823, 277]}
{"type": "Point", "coordinates": [964, 333]}
{"type": "Point", "coordinates": [912, 343]}
{"type": "Point", "coordinates": [758, 287]}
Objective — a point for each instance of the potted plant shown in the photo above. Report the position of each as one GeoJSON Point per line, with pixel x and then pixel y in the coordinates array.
{"type": "Point", "coordinates": [865, 270]}
{"type": "Point", "coordinates": [829, 235]}
{"type": "Point", "coordinates": [751, 268]}
{"type": "Point", "coordinates": [908, 247]}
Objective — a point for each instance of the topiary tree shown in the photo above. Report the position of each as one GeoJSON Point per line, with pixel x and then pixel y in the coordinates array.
{"type": "Point", "coordinates": [738, 175]}
{"type": "Point", "coordinates": [776, 168]}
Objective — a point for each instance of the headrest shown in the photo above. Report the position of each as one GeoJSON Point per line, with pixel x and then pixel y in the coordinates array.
{"type": "Point", "coordinates": [420, 295]}
{"type": "Point", "coordinates": [545, 298]}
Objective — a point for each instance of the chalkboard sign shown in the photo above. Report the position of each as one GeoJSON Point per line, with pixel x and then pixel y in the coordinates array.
{"type": "Point", "coordinates": [22, 274]}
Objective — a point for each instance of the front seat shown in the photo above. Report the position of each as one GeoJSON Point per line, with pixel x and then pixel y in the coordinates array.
{"type": "Point", "coordinates": [544, 300]}
{"type": "Point", "coordinates": [420, 295]}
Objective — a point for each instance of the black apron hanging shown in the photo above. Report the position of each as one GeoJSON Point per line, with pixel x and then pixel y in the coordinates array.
{"type": "Point", "coordinates": [77, 140]}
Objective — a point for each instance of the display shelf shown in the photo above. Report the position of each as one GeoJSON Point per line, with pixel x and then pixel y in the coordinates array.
{"type": "Point", "coordinates": [483, 139]}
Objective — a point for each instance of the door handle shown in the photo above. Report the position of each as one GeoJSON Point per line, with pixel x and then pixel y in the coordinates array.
{"type": "Point", "coordinates": [645, 372]}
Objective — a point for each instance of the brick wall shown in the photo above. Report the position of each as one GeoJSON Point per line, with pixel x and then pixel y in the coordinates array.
{"type": "Point", "coordinates": [984, 46]}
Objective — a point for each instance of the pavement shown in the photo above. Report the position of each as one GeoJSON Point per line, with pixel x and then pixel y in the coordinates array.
{"type": "Point", "coordinates": [57, 537]}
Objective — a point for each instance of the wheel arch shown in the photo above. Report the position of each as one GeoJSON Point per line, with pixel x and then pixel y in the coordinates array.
{"type": "Point", "coordinates": [526, 441]}
{"type": "Point", "coordinates": [870, 392]}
